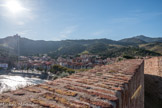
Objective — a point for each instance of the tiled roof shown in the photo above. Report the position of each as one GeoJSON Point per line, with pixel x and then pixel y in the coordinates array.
{"type": "Point", "coordinates": [99, 87]}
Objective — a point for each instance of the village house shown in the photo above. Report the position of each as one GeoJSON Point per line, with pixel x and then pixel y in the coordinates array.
{"type": "Point", "coordinates": [84, 61]}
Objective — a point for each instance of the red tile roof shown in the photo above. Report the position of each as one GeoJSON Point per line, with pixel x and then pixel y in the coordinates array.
{"type": "Point", "coordinates": [98, 87]}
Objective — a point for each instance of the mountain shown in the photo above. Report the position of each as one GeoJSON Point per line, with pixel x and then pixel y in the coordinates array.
{"type": "Point", "coordinates": [141, 39]}
{"type": "Point", "coordinates": [24, 46]}
{"type": "Point", "coordinates": [133, 40]}
{"type": "Point", "coordinates": [156, 47]}
{"type": "Point", "coordinates": [17, 45]}
{"type": "Point", "coordinates": [129, 51]}
{"type": "Point", "coordinates": [148, 39]}
{"type": "Point", "coordinates": [148, 43]}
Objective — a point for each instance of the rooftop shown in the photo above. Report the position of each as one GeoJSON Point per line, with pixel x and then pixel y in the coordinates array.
{"type": "Point", "coordinates": [95, 88]}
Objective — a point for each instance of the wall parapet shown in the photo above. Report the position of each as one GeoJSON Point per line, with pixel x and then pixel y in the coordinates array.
{"type": "Point", "coordinates": [153, 82]}
{"type": "Point", "coordinates": [153, 66]}
{"type": "Point", "coordinates": [119, 85]}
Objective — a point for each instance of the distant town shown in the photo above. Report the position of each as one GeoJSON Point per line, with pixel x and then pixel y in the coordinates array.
{"type": "Point", "coordinates": [44, 62]}
{"type": "Point", "coordinates": [45, 67]}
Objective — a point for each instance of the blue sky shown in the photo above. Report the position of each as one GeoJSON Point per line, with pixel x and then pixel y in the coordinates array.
{"type": "Point", "coordinates": [81, 19]}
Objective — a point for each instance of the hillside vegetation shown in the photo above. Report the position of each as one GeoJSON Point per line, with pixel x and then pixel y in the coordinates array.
{"type": "Point", "coordinates": [156, 47]}
{"type": "Point", "coordinates": [135, 46]}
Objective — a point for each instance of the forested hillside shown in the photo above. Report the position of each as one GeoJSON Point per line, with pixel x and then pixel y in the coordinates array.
{"type": "Point", "coordinates": [135, 46]}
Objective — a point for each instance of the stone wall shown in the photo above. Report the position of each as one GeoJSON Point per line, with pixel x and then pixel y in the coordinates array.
{"type": "Point", "coordinates": [152, 66]}
{"type": "Point", "coordinates": [118, 85]}
{"type": "Point", "coordinates": [153, 82]}
{"type": "Point", "coordinates": [135, 93]}
{"type": "Point", "coordinates": [160, 66]}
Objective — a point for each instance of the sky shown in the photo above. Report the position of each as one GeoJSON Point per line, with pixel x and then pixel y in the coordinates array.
{"type": "Point", "coordinates": [80, 19]}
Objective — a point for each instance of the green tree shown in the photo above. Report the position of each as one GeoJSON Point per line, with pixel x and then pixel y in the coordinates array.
{"type": "Point", "coordinates": [57, 69]}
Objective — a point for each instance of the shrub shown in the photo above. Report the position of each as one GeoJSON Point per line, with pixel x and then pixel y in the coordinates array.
{"type": "Point", "coordinates": [58, 70]}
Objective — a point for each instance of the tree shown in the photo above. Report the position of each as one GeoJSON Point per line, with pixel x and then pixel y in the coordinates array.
{"type": "Point", "coordinates": [57, 69]}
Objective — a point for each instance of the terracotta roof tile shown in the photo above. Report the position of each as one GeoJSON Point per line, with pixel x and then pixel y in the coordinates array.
{"type": "Point", "coordinates": [98, 87]}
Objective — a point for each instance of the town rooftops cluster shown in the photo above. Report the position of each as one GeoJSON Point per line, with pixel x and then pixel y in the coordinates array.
{"type": "Point", "coordinates": [83, 61]}
{"type": "Point", "coordinates": [99, 87]}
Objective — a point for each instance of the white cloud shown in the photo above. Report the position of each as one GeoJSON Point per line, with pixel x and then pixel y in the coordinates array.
{"type": "Point", "coordinates": [102, 33]}
{"type": "Point", "coordinates": [67, 31]}
{"type": "Point", "coordinates": [24, 32]}
{"type": "Point", "coordinates": [97, 33]}
{"type": "Point", "coordinates": [20, 23]}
